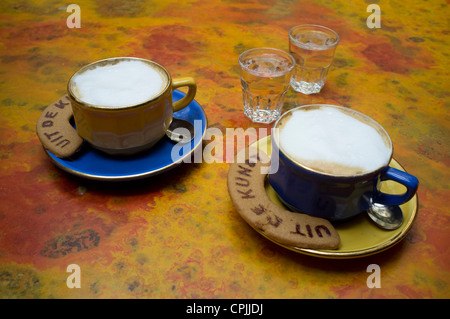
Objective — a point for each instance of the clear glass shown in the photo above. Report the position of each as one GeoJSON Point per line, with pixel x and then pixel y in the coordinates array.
{"type": "Point", "coordinates": [312, 47]}
{"type": "Point", "coordinates": [265, 78]}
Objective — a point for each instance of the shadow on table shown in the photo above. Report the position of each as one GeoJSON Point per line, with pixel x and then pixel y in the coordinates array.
{"type": "Point", "coordinates": [338, 265]}
{"type": "Point", "coordinates": [165, 180]}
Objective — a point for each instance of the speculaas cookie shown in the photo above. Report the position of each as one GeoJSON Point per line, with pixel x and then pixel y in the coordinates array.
{"type": "Point", "coordinates": [247, 191]}
{"type": "Point", "coordinates": [55, 131]}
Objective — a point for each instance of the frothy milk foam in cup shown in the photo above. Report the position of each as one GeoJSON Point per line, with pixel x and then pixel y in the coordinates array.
{"type": "Point", "coordinates": [129, 82]}
{"type": "Point", "coordinates": [330, 141]}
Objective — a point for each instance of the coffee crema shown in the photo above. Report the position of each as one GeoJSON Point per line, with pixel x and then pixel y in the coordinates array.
{"type": "Point", "coordinates": [333, 140]}
{"type": "Point", "coordinates": [117, 84]}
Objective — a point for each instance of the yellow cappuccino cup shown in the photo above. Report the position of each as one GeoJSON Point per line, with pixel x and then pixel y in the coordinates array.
{"type": "Point", "coordinates": [124, 105]}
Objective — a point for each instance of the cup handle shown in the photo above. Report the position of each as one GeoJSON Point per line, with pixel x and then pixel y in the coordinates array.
{"type": "Point", "coordinates": [192, 89]}
{"type": "Point", "coordinates": [409, 181]}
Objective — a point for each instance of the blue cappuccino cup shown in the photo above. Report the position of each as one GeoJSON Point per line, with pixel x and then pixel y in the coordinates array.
{"type": "Point", "coordinates": [317, 188]}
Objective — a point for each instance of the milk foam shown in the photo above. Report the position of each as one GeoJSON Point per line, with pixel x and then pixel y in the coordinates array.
{"type": "Point", "coordinates": [330, 141]}
{"type": "Point", "coordinates": [128, 82]}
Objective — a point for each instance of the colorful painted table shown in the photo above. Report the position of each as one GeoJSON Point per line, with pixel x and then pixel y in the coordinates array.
{"type": "Point", "coordinates": [177, 234]}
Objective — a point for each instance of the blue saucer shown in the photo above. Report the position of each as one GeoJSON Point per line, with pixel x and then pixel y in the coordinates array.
{"type": "Point", "coordinates": [93, 164]}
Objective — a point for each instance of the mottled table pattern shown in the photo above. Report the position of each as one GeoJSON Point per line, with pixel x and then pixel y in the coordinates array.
{"type": "Point", "coordinates": [177, 235]}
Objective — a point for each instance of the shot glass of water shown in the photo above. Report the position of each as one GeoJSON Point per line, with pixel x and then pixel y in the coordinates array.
{"type": "Point", "coordinates": [265, 78]}
{"type": "Point", "coordinates": [312, 47]}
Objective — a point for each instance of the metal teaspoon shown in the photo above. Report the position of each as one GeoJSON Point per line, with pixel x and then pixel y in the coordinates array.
{"type": "Point", "coordinates": [386, 217]}
{"type": "Point", "coordinates": [180, 131]}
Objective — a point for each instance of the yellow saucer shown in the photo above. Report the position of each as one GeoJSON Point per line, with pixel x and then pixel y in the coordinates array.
{"type": "Point", "coordinates": [359, 237]}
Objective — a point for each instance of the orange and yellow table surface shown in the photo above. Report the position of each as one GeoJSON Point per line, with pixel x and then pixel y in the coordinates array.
{"type": "Point", "coordinates": [177, 234]}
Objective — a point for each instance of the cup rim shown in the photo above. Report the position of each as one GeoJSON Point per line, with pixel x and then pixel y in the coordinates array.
{"type": "Point", "coordinates": [282, 52]}
{"type": "Point", "coordinates": [122, 107]}
{"type": "Point", "coordinates": [275, 139]}
{"type": "Point", "coordinates": [307, 26]}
